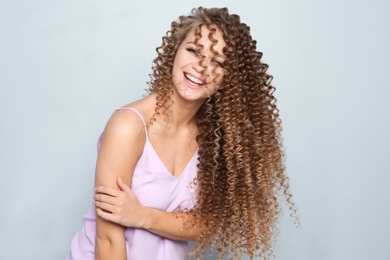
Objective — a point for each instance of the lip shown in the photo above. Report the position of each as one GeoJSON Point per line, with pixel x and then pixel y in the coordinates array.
{"type": "Point", "coordinates": [191, 84]}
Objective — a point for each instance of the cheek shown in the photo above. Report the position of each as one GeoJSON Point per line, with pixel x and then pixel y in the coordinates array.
{"type": "Point", "coordinates": [175, 70]}
{"type": "Point", "coordinates": [218, 78]}
{"type": "Point", "coordinates": [212, 88]}
{"type": "Point", "coordinates": [174, 66]}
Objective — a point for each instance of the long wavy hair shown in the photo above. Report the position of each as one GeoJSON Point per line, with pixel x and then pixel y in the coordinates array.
{"type": "Point", "coordinates": [241, 169]}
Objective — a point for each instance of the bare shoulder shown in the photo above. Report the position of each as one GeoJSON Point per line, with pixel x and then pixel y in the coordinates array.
{"type": "Point", "coordinates": [145, 106]}
{"type": "Point", "coordinates": [124, 124]}
{"type": "Point", "coordinates": [126, 121]}
{"type": "Point", "coordinates": [122, 145]}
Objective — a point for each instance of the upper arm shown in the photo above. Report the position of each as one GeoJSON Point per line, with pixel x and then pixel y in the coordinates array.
{"type": "Point", "coordinates": [122, 145]}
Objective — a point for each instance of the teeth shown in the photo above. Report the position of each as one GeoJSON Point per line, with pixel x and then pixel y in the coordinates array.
{"type": "Point", "coordinates": [193, 79]}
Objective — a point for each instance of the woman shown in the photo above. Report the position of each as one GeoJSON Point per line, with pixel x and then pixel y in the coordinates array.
{"type": "Point", "coordinates": [202, 153]}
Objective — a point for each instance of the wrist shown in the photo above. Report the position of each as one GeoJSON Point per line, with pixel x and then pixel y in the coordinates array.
{"type": "Point", "coordinates": [147, 219]}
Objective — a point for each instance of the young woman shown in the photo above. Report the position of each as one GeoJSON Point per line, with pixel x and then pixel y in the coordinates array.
{"type": "Point", "coordinates": [202, 153]}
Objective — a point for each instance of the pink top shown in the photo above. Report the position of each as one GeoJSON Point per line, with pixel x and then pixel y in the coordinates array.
{"type": "Point", "coordinates": [155, 187]}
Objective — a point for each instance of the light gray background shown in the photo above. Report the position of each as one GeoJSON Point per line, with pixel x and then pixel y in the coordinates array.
{"type": "Point", "coordinates": [65, 65]}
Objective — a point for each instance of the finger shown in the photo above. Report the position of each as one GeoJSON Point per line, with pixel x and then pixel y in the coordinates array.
{"type": "Point", "coordinates": [123, 185]}
{"type": "Point", "coordinates": [108, 190]}
{"type": "Point", "coordinates": [106, 207]}
{"type": "Point", "coordinates": [106, 199]}
{"type": "Point", "coordinates": [106, 215]}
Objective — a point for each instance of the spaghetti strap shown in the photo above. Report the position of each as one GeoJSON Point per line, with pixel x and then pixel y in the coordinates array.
{"type": "Point", "coordinates": [138, 113]}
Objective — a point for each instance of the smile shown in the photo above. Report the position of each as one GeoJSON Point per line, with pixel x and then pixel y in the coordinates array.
{"type": "Point", "coordinates": [193, 79]}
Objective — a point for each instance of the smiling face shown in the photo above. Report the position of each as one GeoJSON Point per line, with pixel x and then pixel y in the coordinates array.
{"type": "Point", "coordinates": [194, 78]}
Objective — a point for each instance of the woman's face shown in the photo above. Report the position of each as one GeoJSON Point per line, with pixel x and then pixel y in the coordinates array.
{"type": "Point", "coordinates": [188, 75]}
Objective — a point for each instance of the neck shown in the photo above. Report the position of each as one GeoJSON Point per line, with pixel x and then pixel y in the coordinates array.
{"type": "Point", "coordinates": [184, 111]}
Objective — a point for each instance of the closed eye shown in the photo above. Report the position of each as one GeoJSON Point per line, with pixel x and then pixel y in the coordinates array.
{"type": "Point", "coordinates": [219, 63]}
{"type": "Point", "coordinates": [191, 50]}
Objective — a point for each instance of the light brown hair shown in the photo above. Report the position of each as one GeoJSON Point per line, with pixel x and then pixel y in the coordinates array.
{"type": "Point", "coordinates": [241, 160]}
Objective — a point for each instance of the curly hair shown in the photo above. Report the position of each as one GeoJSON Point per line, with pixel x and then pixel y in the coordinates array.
{"type": "Point", "coordinates": [241, 169]}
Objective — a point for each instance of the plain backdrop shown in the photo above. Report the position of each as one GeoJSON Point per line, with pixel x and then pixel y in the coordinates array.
{"type": "Point", "coordinates": [65, 66]}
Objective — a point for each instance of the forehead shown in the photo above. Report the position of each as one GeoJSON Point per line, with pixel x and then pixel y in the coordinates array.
{"type": "Point", "coordinates": [205, 38]}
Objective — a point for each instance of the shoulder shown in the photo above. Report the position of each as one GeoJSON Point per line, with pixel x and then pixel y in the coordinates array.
{"type": "Point", "coordinates": [145, 107]}
{"type": "Point", "coordinates": [126, 126]}
{"type": "Point", "coordinates": [125, 118]}
{"type": "Point", "coordinates": [124, 123]}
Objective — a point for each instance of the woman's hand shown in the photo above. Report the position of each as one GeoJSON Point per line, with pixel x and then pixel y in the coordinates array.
{"type": "Point", "coordinates": [120, 206]}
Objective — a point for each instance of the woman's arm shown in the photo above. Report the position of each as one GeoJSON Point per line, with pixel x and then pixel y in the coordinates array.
{"type": "Point", "coordinates": [177, 226]}
{"type": "Point", "coordinates": [122, 207]}
{"type": "Point", "coordinates": [121, 147]}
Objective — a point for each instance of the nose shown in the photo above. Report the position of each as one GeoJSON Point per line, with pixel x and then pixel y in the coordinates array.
{"type": "Point", "coordinates": [207, 65]}
{"type": "Point", "coordinates": [197, 67]}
